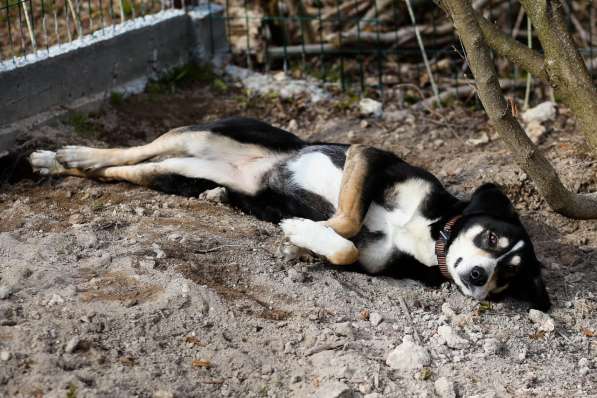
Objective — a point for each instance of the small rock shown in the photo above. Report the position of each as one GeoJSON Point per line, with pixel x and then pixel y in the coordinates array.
{"type": "Point", "coordinates": [290, 252]}
{"type": "Point", "coordinates": [216, 195]}
{"type": "Point", "coordinates": [344, 329]}
{"type": "Point", "coordinates": [4, 356]}
{"type": "Point", "coordinates": [72, 345]}
{"type": "Point", "coordinates": [364, 124]}
{"type": "Point", "coordinates": [174, 237]}
{"type": "Point", "coordinates": [375, 318]}
{"type": "Point", "coordinates": [159, 253]}
{"type": "Point", "coordinates": [522, 354]}
{"type": "Point", "coordinates": [583, 363]}
{"type": "Point", "coordinates": [535, 131]}
{"type": "Point", "coordinates": [86, 239]}
{"type": "Point", "coordinates": [370, 107]}
{"type": "Point", "coordinates": [4, 292]}
{"type": "Point", "coordinates": [491, 346]}
{"type": "Point", "coordinates": [296, 276]}
{"type": "Point", "coordinates": [451, 338]}
{"type": "Point", "coordinates": [444, 388]}
{"type": "Point", "coordinates": [483, 139]}
{"type": "Point", "coordinates": [448, 311]}
{"type": "Point", "coordinates": [543, 112]}
{"type": "Point", "coordinates": [163, 394]}
{"type": "Point", "coordinates": [408, 356]}
{"type": "Point", "coordinates": [54, 300]}
{"type": "Point", "coordinates": [543, 321]}
{"type": "Point", "coordinates": [292, 125]}
{"type": "Point", "coordinates": [334, 389]}
{"type": "Point", "coordinates": [140, 211]}
{"type": "Point", "coordinates": [396, 116]}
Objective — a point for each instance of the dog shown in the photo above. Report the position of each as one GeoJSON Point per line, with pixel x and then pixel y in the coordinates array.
{"type": "Point", "coordinates": [353, 204]}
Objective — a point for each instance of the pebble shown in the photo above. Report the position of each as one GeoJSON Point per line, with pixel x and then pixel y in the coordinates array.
{"type": "Point", "coordinates": [448, 311]}
{"type": "Point", "coordinates": [375, 318]}
{"type": "Point", "coordinates": [344, 329]}
{"type": "Point", "coordinates": [4, 292]}
{"type": "Point", "coordinates": [543, 112]}
{"type": "Point", "coordinates": [543, 321]}
{"type": "Point", "coordinates": [163, 394]}
{"type": "Point", "coordinates": [72, 345]}
{"type": "Point", "coordinates": [396, 116]}
{"type": "Point", "coordinates": [292, 125]}
{"type": "Point", "coordinates": [452, 339]}
{"type": "Point", "coordinates": [408, 356]}
{"type": "Point", "coordinates": [491, 346]}
{"type": "Point", "coordinates": [370, 107]}
{"type": "Point", "coordinates": [4, 356]}
{"type": "Point", "coordinates": [444, 388]}
{"type": "Point", "coordinates": [522, 354]}
{"type": "Point", "coordinates": [159, 253]}
{"type": "Point", "coordinates": [334, 389]}
{"type": "Point", "coordinates": [296, 276]}
{"type": "Point", "coordinates": [55, 299]}
{"type": "Point", "coordinates": [139, 211]}
{"type": "Point", "coordinates": [86, 239]}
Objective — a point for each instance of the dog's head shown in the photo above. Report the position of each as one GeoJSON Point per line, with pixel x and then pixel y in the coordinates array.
{"type": "Point", "coordinates": [490, 252]}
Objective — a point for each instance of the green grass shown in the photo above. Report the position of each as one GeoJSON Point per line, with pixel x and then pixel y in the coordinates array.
{"type": "Point", "coordinates": [116, 98]}
{"type": "Point", "coordinates": [185, 76]}
{"type": "Point", "coordinates": [72, 391]}
{"type": "Point", "coordinates": [81, 123]}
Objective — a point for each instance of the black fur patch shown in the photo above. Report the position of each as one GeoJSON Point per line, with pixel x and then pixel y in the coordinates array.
{"type": "Point", "coordinates": [252, 131]}
{"type": "Point", "coordinates": [178, 185]}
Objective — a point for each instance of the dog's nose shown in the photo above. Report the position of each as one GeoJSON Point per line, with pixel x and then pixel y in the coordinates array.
{"type": "Point", "coordinates": [478, 276]}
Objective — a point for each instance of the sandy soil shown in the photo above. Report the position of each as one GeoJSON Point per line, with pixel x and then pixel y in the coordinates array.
{"type": "Point", "coordinates": [111, 290]}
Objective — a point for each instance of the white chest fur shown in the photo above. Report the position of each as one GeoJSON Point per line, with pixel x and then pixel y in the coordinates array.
{"type": "Point", "coordinates": [405, 229]}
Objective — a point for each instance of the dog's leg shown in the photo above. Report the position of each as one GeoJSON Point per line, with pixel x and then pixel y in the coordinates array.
{"type": "Point", "coordinates": [220, 172]}
{"type": "Point", "coordinates": [172, 143]}
{"type": "Point", "coordinates": [320, 239]}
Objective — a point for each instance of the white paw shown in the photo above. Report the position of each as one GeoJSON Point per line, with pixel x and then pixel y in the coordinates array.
{"type": "Point", "coordinates": [45, 163]}
{"type": "Point", "coordinates": [319, 238]}
{"type": "Point", "coordinates": [80, 157]}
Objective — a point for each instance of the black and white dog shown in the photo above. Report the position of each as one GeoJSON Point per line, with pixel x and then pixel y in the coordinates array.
{"type": "Point", "coordinates": [351, 204]}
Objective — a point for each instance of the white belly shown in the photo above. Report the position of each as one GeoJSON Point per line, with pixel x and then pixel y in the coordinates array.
{"type": "Point", "coordinates": [316, 173]}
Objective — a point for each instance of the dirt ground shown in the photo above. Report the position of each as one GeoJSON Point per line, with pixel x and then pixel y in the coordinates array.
{"type": "Point", "coordinates": [111, 290]}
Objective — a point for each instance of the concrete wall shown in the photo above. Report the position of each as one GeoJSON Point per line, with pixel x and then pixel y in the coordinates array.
{"type": "Point", "coordinates": [96, 69]}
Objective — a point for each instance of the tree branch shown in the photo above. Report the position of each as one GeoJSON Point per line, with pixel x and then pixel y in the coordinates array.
{"type": "Point", "coordinates": [528, 59]}
{"type": "Point", "coordinates": [526, 154]}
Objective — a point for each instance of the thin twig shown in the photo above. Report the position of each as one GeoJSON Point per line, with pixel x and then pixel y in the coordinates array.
{"type": "Point", "coordinates": [527, 93]}
{"type": "Point", "coordinates": [215, 249]}
{"type": "Point", "coordinates": [423, 53]}
{"type": "Point", "coordinates": [406, 313]}
{"type": "Point", "coordinates": [28, 20]}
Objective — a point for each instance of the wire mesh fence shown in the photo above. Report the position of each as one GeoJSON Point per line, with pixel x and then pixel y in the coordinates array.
{"type": "Point", "coordinates": [358, 46]}
{"type": "Point", "coordinates": [368, 47]}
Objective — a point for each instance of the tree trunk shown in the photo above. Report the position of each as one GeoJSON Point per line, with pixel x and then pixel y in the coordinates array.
{"type": "Point", "coordinates": [528, 157]}
{"type": "Point", "coordinates": [561, 65]}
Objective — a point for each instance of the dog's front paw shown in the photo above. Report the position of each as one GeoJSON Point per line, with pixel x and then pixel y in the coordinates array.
{"type": "Point", "coordinates": [45, 163]}
{"type": "Point", "coordinates": [321, 239]}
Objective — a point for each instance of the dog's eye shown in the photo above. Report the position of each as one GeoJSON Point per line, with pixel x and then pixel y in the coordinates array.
{"type": "Point", "coordinates": [492, 240]}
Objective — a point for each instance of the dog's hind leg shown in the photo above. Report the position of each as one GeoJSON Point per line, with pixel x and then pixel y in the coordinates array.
{"type": "Point", "coordinates": [246, 180]}
{"type": "Point", "coordinates": [172, 143]}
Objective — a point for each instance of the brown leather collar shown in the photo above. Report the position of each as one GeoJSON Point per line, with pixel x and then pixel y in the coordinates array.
{"type": "Point", "coordinates": [440, 246]}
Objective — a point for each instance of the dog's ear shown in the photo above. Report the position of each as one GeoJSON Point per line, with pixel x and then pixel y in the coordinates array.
{"type": "Point", "coordinates": [489, 200]}
{"type": "Point", "coordinates": [528, 286]}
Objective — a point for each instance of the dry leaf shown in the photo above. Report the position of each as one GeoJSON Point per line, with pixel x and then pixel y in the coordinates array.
{"type": "Point", "coordinates": [364, 314]}
{"type": "Point", "coordinates": [201, 363]}
{"type": "Point", "coordinates": [194, 341]}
